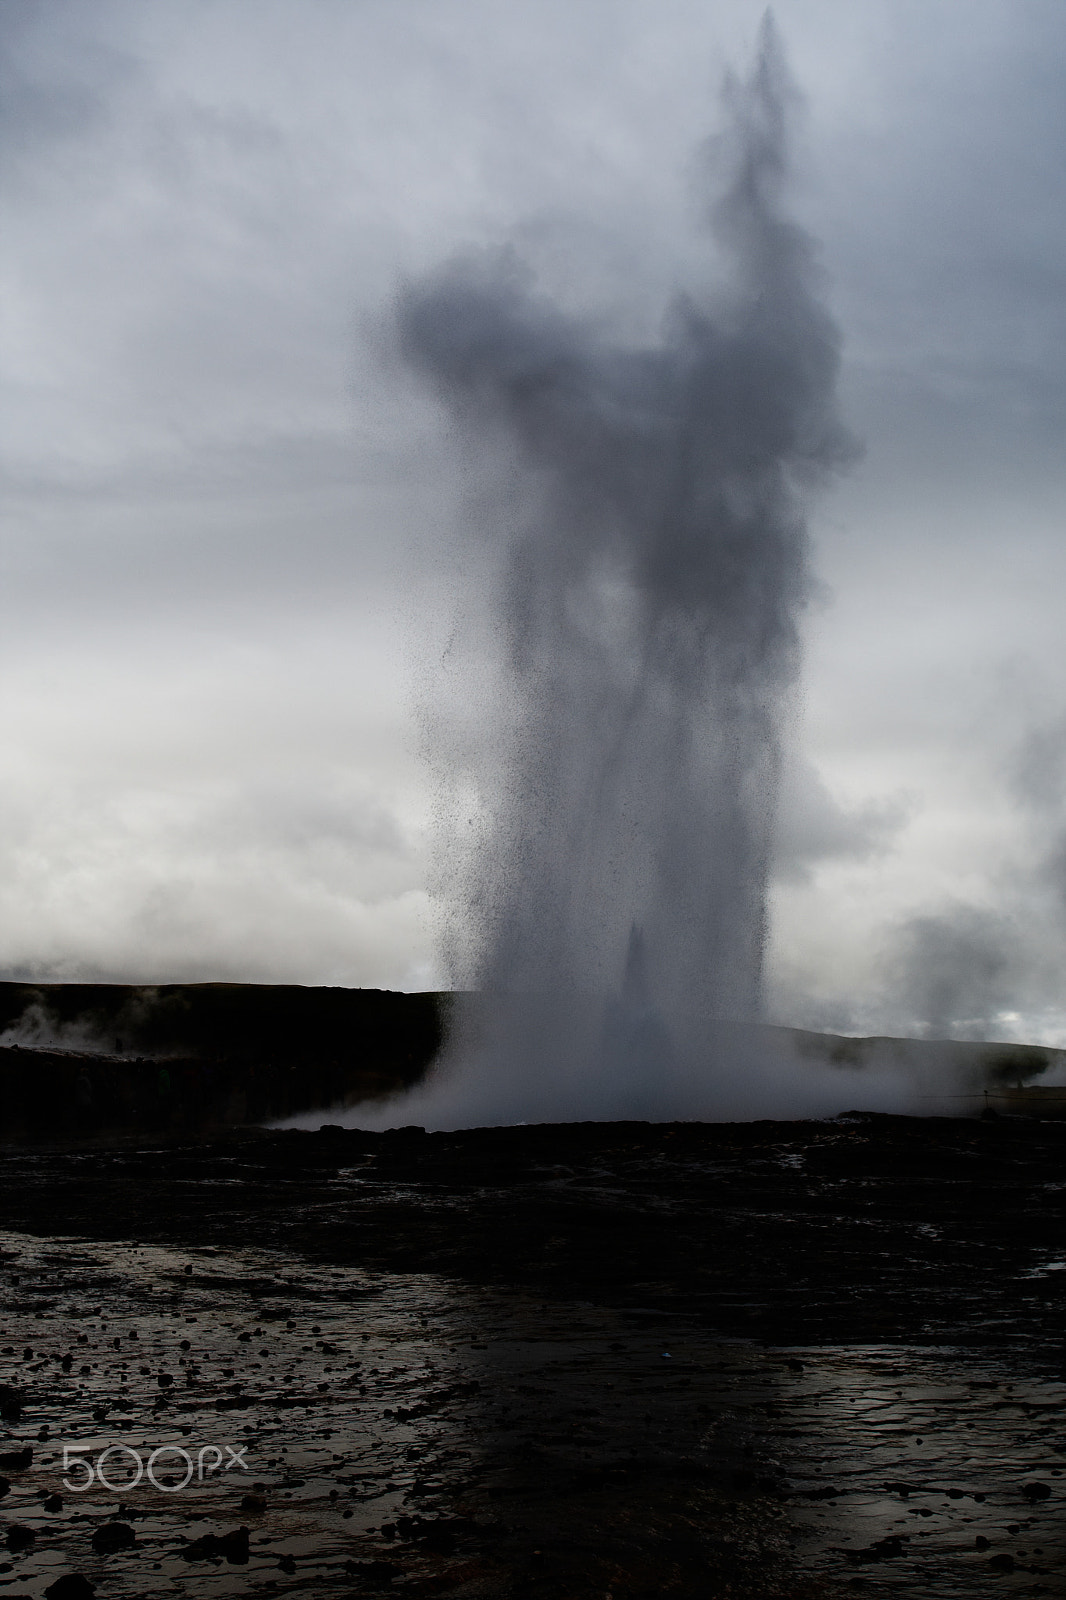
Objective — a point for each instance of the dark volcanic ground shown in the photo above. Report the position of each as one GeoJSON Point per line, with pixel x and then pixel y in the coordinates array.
{"type": "Point", "coordinates": [754, 1360]}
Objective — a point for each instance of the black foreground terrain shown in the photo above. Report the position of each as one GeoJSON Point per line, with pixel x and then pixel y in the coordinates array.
{"type": "Point", "coordinates": [767, 1359]}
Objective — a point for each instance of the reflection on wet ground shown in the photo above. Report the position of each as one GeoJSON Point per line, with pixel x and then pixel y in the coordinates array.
{"type": "Point", "coordinates": [945, 1466]}
{"type": "Point", "coordinates": [351, 1430]}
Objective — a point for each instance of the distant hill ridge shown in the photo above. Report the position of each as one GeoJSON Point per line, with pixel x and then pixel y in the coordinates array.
{"type": "Point", "coordinates": [223, 1021]}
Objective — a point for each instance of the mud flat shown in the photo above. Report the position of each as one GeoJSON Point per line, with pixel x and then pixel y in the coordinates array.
{"type": "Point", "coordinates": [755, 1360]}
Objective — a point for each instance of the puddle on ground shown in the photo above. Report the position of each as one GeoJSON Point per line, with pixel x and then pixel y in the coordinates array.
{"type": "Point", "coordinates": [346, 1432]}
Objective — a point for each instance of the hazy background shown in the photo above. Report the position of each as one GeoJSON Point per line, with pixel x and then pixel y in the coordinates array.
{"type": "Point", "coordinates": [228, 544]}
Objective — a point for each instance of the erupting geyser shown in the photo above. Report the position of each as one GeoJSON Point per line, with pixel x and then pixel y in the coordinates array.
{"type": "Point", "coordinates": [652, 512]}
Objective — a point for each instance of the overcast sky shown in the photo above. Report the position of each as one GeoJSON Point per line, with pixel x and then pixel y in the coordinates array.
{"type": "Point", "coordinates": [228, 542]}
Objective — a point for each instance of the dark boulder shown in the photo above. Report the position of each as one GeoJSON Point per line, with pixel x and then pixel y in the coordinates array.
{"type": "Point", "coordinates": [71, 1586]}
{"type": "Point", "coordinates": [112, 1536]}
{"type": "Point", "coordinates": [233, 1546]}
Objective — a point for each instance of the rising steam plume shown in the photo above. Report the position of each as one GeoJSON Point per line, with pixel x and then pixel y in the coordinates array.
{"type": "Point", "coordinates": [655, 562]}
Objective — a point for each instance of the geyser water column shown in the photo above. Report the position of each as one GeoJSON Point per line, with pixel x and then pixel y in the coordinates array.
{"type": "Point", "coordinates": [650, 508]}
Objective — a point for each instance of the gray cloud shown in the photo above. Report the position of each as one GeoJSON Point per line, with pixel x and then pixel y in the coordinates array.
{"type": "Point", "coordinates": [52, 98]}
{"type": "Point", "coordinates": [813, 828]}
{"type": "Point", "coordinates": [954, 972]}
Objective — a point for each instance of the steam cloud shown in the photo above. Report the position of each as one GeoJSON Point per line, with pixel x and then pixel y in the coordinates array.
{"type": "Point", "coordinates": [655, 559]}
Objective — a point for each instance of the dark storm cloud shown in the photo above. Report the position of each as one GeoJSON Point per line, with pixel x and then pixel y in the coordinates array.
{"type": "Point", "coordinates": [46, 104]}
{"type": "Point", "coordinates": [954, 280]}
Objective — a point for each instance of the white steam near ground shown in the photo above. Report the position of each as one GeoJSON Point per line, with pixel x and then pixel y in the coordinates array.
{"type": "Point", "coordinates": [642, 567]}
{"type": "Point", "coordinates": [506, 1067]}
{"type": "Point", "coordinates": [37, 1028]}
{"type": "Point", "coordinates": [642, 507]}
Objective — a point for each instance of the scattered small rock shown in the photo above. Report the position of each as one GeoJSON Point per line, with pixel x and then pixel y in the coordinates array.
{"type": "Point", "coordinates": [17, 1460]}
{"type": "Point", "coordinates": [1033, 1491]}
{"type": "Point", "coordinates": [19, 1537]}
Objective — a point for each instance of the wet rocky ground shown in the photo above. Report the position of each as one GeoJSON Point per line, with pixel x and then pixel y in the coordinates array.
{"type": "Point", "coordinates": [757, 1360]}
